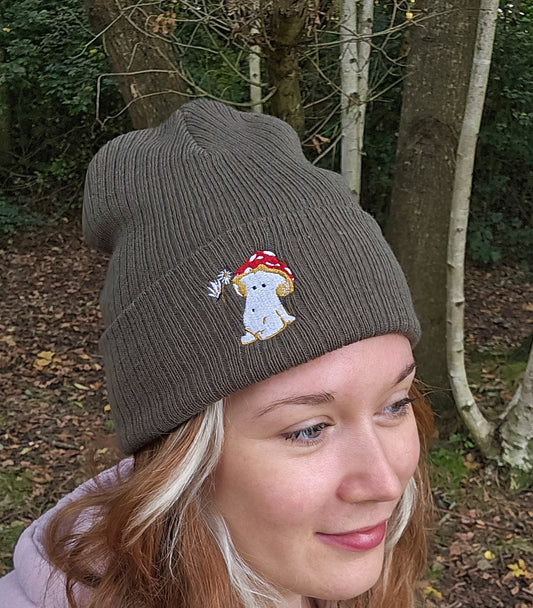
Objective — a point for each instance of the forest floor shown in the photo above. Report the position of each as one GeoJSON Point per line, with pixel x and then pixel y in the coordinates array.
{"type": "Point", "coordinates": [56, 429]}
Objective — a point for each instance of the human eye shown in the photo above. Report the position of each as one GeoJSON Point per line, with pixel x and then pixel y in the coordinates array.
{"type": "Point", "coordinates": [308, 436]}
{"type": "Point", "coordinates": [397, 409]}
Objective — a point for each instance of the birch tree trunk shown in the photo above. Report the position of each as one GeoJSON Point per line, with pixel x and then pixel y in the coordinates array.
{"type": "Point", "coordinates": [365, 23]}
{"type": "Point", "coordinates": [254, 63]}
{"type": "Point", "coordinates": [254, 67]}
{"type": "Point", "coordinates": [283, 61]}
{"type": "Point", "coordinates": [350, 152]}
{"type": "Point", "coordinates": [517, 431]}
{"type": "Point", "coordinates": [480, 429]}
{"type": "Point", "coordinates": [146, 71]}
{"type": "Point", "coordinates": [355, 33]}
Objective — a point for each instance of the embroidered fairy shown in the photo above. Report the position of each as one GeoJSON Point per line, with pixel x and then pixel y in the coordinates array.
{"type": "Point", "coordinates": [262, 280]}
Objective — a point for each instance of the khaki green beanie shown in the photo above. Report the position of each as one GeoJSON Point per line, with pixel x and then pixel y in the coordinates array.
{"type": "Point", "coordinates": [232, 259]}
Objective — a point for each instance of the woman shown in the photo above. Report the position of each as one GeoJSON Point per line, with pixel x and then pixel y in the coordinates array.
{"type": "Point", "coordinates": [258, 360]}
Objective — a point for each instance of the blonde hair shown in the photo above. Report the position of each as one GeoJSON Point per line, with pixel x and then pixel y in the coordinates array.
{"type": "Point", "coordinates": [157, 543]}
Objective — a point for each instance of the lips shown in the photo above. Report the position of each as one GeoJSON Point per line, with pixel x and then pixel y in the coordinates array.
{"type": "Point", "coordinates": [363, 539]}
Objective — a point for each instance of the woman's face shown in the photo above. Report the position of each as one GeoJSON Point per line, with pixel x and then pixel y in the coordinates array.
{"type": "Point", "coordinates": [314, 462]}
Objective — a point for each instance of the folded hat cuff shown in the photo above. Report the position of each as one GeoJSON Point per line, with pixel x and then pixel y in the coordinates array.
{"type": "Point", "coordinates": [175, 350]}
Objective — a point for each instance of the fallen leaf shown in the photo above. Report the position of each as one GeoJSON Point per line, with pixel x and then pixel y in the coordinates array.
{"type": "Point", "coordinates": [40, 363]}
{"type": "Point", "coordinates": [81, 387]}
{"type": "Point", "coordinates": [429, 590]}
{"type": "Point", "coordinates": [519, 569]}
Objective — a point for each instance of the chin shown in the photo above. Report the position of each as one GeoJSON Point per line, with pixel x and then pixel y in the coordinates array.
{"type": "Point", "coordinates": [350, 580]}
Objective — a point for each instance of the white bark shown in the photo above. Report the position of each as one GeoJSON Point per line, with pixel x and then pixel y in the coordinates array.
{"type": "Point", "coordinates": [480, 429]}
{"type": "Point", "coordinates": [355, 33]}
{"type": "Point", "coordinates": [254, 67]}
{"type": "Point", "coordinates": [365, 22]}
{"type": "Point", "coordinates": [517, 429]}
{"type": "Point", "coordinates": [254, 62]}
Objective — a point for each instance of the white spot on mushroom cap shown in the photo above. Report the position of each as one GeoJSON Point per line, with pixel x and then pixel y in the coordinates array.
{"type": "Point", "coordinates": [252, 257]}
{"type": "Point", "coordinates": [269, 253]}
{"type": "Point", "coordinates": [288, 270]}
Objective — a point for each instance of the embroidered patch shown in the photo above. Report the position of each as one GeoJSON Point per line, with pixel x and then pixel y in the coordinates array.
{"type": "Point", "coordinates": [262, 281]}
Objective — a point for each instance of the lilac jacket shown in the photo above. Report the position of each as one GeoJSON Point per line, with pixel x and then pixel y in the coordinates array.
{"type": "Point", "coordinates": [29, 585]}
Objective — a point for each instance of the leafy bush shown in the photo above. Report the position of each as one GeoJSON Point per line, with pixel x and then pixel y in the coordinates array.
{"type": "Point", "coordinates": [494, 237]}
{"type": "Point", "coordinates": [502, 196]}
{"type": "Point", "coordinates": [14, 217]}
{"type": "Point", "coordinates": [48, 78]}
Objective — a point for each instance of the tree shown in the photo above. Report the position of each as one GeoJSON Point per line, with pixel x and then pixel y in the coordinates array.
{"type": "Point", "coordinates": [254, 68]}
{"type": "Point", "coordinates": [517, 431]}
{"type": "Point", "coordinates": [142, 58]}
{"type": "Point", "coordinates": [500, 226]}
{"type": "Point", "coordinates": [480, 429]}
{"type": "Point", "coordinates": [516, 447]}
{"type": "Point", "coordinates": [356, 30]}
{"type": "Point", "coordinates": [286, 29]}
{"type": "Point", "coordinates": [5, 129]}
{"type": "Point", "coordinates": [433, 102]}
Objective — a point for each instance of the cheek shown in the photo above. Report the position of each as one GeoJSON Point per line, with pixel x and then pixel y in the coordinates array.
{"type": "Point", "coordinates": [405, 452]}
{"type": "Point", "coordinates": [250, 489]}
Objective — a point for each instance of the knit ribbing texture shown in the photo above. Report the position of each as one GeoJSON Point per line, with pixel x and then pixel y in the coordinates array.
{"type": "Point", "coordinates": [178, 204]}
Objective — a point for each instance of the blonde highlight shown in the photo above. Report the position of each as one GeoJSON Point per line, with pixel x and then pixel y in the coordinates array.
{"type": "Point", "coordinates": [159, 543]}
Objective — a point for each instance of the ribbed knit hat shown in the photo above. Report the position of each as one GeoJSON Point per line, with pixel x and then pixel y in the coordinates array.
{"type": "Point", "coordinates": [233, 258]}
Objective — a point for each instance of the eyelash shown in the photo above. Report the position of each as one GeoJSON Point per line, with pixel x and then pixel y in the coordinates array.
{"type": "Point", "coordinates": [397, 410]}
{"type": "Point", "coordinates": [297, 436]}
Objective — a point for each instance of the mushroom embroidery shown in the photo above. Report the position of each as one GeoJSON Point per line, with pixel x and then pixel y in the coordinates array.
{"type": "Point", "coordinates": [262, 280]}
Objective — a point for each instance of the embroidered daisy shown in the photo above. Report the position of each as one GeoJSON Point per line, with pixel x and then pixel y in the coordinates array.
{"type": "Point", "coordinates": [215, 289]}
{"type": "Point", "coordinates": [225, 277]}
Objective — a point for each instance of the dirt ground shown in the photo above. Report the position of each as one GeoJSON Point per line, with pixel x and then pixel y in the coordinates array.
{"type": "Point", "coordinates": [56, 430]}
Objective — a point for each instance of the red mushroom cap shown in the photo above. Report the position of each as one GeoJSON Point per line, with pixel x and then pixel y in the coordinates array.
{"type": "Point", "coordinates": [265, 258]}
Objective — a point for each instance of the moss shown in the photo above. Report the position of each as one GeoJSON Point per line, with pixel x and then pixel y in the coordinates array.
{"type": "Point", "coordinates": [9, 535]}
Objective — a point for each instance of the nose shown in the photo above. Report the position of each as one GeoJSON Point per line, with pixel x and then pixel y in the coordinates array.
{"type": "Point", "coordinates": [369, 471]}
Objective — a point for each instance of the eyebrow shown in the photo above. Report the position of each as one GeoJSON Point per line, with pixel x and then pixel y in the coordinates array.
{"type": "Point", "coordinates": [312, 399]}
{"type": "Point", "coordinates": [406, 372]}
{"type": "Point", "coordinates": [324, 397]}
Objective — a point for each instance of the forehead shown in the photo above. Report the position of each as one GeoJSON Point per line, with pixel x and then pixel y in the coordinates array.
{"type": "Point", "coordinates": [369, 365]}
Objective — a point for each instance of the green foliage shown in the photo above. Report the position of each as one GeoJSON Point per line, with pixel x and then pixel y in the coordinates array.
{"type": "Point", "coordinates": [493, 236]}
{"type": "Point", "coordinates": [383, 114]}
{"type": "Point", "coordinates": [447, 468]}
{"type": "Point", "coordinates": [215, 67]}
{"type": "Point", "coordinates": [9, 534]}
{"type": "Point", "coordinates": [502, 196]}
{"type": "Point", "coordinates": [49, 75]}
{"type": "Point", "coordinates": [447, 463]}
{"type": "Point", "coordinates": [51, 63]}
{"type": "Point", "coordinates": [520, 480]}
{"type": "Point", "coordinates": [14, 487]}
{"type": "Point", "coordinates": [13, 217]}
